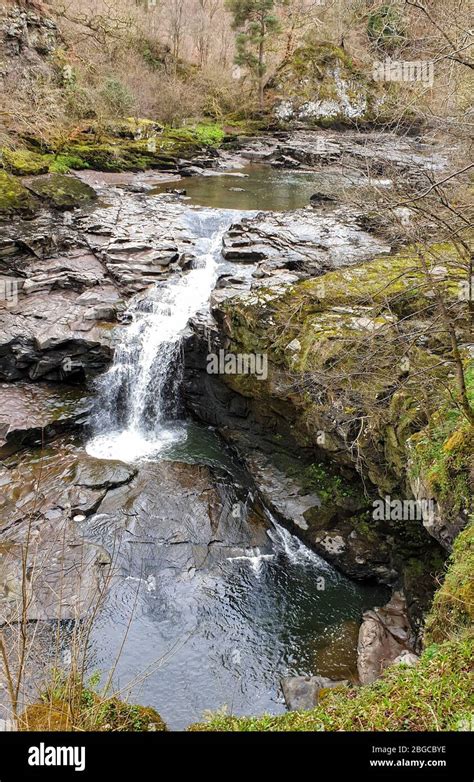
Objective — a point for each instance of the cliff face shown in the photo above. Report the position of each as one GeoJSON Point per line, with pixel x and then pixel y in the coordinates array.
{"type": "Point", "coordinates": [343, 419]}
{"type": "Point", "coordinates": [27, 39]}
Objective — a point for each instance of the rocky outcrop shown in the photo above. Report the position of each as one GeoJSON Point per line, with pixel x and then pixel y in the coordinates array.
{"type": "Point", "coordinates": [385, 638]}
{"type": "Point", "coordinates": [320, 83]}
{"type": "Point", "coordinates": [26, 38]}
{"type": "Point", "coordinates": [65, 281]}
{"type": "Point", "coordinates": [320, 381]}
{"type": "Point", "coordinates": [33, 414]}
{"type": "Point", "coordinates": [303, 242]}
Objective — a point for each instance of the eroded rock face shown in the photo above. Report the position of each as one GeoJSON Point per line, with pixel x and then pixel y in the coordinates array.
{"type": "Point", "coordinates": [301, 241]}
{"type": "Point", "coordinates": [385, 635]}
{"type": "Point", "coordinates": [31, 414]}
{"type": "Point", "coordinates": [69, 278]}
{"type": "Point", "coordinates": [25, 33]}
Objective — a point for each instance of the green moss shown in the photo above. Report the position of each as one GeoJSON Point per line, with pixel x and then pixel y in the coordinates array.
{"type": "Point", "coordinates": [62, 164]}
{"type": "Point", "coordinates": [68, 705]}
{"type": "Point", "coordinates": [351, 357]}
{"type": "Point", "coordinates": [22, 162]}
{"type": "Point", "coordinates": [14, 196]}
{"type": "Point", "coordinates": [443, 453]}
{"type": "Point", "coordinates": [137, 145]}
{"type": "Point", "coordinates": [63, 192]}
{"type": "Point", "coordinates": [326, 482]}
{"type": "Point", "coordinates": [453, 606]}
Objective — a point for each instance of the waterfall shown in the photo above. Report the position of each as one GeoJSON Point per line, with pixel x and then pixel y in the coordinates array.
{"type": "Point", "coordinates": [137, 398]}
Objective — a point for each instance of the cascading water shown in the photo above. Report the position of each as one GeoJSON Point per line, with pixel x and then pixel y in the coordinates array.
{"type": "Point", "coordinates": [137, 400]}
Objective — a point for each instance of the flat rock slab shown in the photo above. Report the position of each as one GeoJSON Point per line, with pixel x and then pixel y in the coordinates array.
{"type": "Point", "coordinates": [41, 495]}
{"type": "Point", "coordinates": [147, 179]}
{"type": "Point", "coordinates": [32, 412]}
{"type": "Point", "coordinates": [71, 516]}
{"type": "Point", "coordinates": [172, 520]}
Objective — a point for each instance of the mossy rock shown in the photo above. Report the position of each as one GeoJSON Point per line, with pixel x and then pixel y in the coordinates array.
{"type": "Point", "coordinates": [61, 191]}
{"type": "Point", "coordinates": [24, 163]}
{"type": "Point", "coordinates": [92, 713]}
{"type": "Point", "coordinates": [126, 156]}
{"type": "Point", "coordinates": [347, 324]}
{"type": "Point", "coordinates": [14, 197]}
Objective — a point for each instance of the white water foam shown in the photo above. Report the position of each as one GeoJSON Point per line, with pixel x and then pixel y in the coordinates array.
{"type": "Point", "coordinates": [137, 396]}
{"type": "Point", "coordinates": [294, 549]}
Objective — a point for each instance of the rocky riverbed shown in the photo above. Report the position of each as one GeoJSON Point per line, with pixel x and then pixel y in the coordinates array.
{"type": "Point", "coordinates": [96, 527]}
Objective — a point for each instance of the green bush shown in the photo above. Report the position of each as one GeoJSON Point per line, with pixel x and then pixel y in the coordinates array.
{"type": "Point", "coordinates": [385, 28]}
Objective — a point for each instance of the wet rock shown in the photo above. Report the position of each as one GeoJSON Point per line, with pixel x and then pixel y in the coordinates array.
{"type": "Point", "coordinates": [42, 491]}
{"type": "Point", "coordinates": [263, 433]}
{"type": "Point", "coordinates": [302, 693]}
{"type": "Point", "coordinates": [300, 241]}
{"type": "Point", "coordinates": [173, 520]}
{"type": "Point", "coordinates": [92, 473]}
{"type": "Point", "coordinates": [175, 191]}
{"type": "Point", "coordinates": [78, 269]}
{"type": "Point", "coordinates": [36, 413]}
{"type": "Point", "coordinates": [71, 278]}
{"type": "Point", "coordinates": [370, 152]}
{"type": "Point", "coordinates": [65, 576]}
{"type": "Point", "coordinates": [50, 336]}
{"type": "Point", "coordinates": [321, 198]}
{"type": "Point", "coordinates": [385, 634]}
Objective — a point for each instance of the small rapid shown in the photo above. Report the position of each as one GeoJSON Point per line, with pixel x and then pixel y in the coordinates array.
{"type": "Point", "coordinates": [137, 409]}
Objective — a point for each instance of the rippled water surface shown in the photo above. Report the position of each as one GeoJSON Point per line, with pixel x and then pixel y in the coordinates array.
{"type": "Point", "coordinates": [212, 602]}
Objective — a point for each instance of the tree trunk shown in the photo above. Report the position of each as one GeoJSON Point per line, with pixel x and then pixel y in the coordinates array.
{"type": "Point", "coordinates": [261, 64]}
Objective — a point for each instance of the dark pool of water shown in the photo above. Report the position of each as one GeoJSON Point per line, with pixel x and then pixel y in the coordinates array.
{"type": "Point", "coordinates": [222, 636]}
{"type": "Point", "coordinates": [260, 188]}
